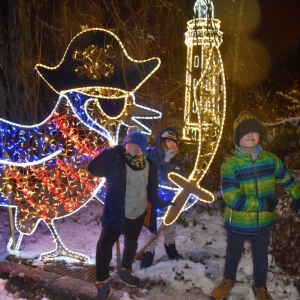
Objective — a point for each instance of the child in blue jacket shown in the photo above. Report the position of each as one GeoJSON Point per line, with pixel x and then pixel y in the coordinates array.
{"type": "Point", "coordinates": [131, 201]}
{"type": "Point", "coordinates": [164, 155]}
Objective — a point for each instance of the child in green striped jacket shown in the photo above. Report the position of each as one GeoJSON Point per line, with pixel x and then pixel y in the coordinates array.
{"type": "Point", "coordinates": [248, 188]}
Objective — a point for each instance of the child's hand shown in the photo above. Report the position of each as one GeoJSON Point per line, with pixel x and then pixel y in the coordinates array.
{"type": "Point", "coordinates": [270, 204]}
{"type": "Point", "coordinates": [118, 149]}
{"type": "Point", "coordinates": [295, 205]}
{"type": "Point", "coordinates": [169, 202]}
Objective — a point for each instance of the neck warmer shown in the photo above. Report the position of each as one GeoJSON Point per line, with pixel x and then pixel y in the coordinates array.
{"type": "Point", "coordinates": [135, 162]}
{"type": "Point", "coordinates": [169, 154]}
{"type": "Point", "coordinates": [252, 154]}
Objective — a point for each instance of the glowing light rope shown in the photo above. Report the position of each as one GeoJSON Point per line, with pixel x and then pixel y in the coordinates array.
{"type": "Point", "coordinates": [36, 162]}
{"type": "Point", "coordinates": [43, 167]}
{"type": "Point", "coordinates": [18, 244]}
{"type": "Point", "coordinates": [204, 9]}
{"type": "Point", "coordinates": [205, 105]}
{"type": "Point", "coordinates": [156, 115]}
{"type": "Point", "coordinates": [126, 116]}
{"type": "Point", "coordinates": [101, 91]}
{"type": "Point", "coordinates": [213, 128]}
{"type": "Point", "coordinates": [45, 189]}
{"type": "Point", "coordinates": [60, 248]}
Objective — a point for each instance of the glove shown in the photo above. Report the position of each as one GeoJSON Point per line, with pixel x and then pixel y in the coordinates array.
{"type": "Point", "coordinates": [270, 204]}
{"type": "Point", "coordinates": [169, 202]}
{"type": "Point", "coordinates": [295, 205]}
{"type": "Point", "coordinates": [118, 149]}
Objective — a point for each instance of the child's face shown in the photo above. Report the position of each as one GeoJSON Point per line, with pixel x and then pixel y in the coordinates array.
{"type": "Point", "coordinates": [250, 141]}
{"type": "Point", "coordinates": [133, 149]}
{"type": "Point", "coordinates": [171, 145]}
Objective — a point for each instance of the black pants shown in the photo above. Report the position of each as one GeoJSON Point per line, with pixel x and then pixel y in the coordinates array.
{"type": "Point", "coordinates": [106, 241]}
{"type": "Point", "coordinates": [234, 250]}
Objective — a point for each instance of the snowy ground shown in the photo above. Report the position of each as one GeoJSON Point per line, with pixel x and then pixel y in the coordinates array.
{"type": "Point", "coordinates": [6, 295]}
{"type": "Point", "coordinates": [203, 247]}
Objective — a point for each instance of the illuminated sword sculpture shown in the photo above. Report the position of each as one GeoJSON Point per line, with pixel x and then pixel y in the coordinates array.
{"type": "Point", "coordinates": [205, 104]}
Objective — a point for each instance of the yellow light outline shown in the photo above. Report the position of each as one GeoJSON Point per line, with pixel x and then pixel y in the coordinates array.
{"type": "Point", "coordinates": [191, 194]}
{"type": "Point", "coordinates": [207, 43]}
{"type": "Point", "coordinates": [199, 109]}
{"type": "Point", "coordinates": [124, 92]}
{"type": "Point", "coordinates": [118, 116]}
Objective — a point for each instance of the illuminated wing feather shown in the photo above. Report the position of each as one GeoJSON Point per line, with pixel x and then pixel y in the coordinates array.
{"type": "Point", "coordinates": [24, 145]}
{"type": "Point", "coordinates": [43, 168]}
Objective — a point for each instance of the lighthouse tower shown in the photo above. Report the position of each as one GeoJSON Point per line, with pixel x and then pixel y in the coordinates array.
{"type": "Point", "coordinates": [205, 105]}
{"type": "Point", "coordinates": [203, 39]}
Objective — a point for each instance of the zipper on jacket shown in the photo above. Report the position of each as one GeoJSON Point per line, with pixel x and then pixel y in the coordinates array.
{"type": "Point", "coordinates": [231, 216]}
{"type": "Point", "coordinates": [256, 190]}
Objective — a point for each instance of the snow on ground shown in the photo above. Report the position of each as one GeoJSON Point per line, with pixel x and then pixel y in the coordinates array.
{"type": "Point", "coordinates": [5, 295]}
{"type": "Point", "coordinates": [203, 247]}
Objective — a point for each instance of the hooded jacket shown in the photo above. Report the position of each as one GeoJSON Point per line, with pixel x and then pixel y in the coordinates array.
{"type": "Point", "coordinates": [163, 167]}
{"type": "Point", "coordinates": [245, 185]}
{"type": "Point", "coordinates": [112, 166]}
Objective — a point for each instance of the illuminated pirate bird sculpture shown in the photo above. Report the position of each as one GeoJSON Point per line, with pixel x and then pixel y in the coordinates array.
{"type": "Point", "coordinates": [43, 167]}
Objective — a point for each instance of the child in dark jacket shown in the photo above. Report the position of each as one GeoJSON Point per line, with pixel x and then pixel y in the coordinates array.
{"type": "Point", "coordinates": [131, 201]}
{"type": "Point", "coordinates": [164, 155]}
{"type": "Point", "coordinates": [248, 188]}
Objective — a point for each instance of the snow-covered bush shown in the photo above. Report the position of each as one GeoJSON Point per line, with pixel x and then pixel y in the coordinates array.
{"type": "Point", "coordinates": [286, 238]}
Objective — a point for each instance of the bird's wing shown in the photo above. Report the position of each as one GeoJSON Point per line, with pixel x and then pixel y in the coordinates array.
{"type": "Point", "coordinates": [27, 145]}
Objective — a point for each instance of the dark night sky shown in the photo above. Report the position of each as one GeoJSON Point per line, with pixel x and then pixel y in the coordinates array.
{"type": "Point", "coordinates": [280, 24]}
{"type": "Point", "coordinates": [268, 28]}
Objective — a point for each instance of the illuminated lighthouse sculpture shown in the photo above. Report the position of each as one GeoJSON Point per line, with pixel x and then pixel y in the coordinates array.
{"type": "Point", "coordinates": [204, 71]}
{"type": "Point", "coordinates": [205, 104]}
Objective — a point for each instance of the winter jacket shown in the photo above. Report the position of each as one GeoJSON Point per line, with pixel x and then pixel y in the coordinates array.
{"type": "Point", "coordinates": [246, 185]}
{"type": "Point", "coordinates": [112, 167]}
{"type": "Point", "coordinates": [164, 168]}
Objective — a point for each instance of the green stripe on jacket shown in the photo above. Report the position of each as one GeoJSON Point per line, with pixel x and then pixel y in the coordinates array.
{"type": "Point", "coordinates": [246, 185]}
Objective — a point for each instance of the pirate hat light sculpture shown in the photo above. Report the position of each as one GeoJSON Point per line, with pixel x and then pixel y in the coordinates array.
{"type": "Point", "coordinates": [97, 66]}
{"type": "Point", "coordinates": [43, 167]}
{"type": "Point", "coordinates": [205, 105]}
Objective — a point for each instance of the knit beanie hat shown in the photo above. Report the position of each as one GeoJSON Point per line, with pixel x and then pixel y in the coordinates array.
{"type": "Point", "coordinates": [245, 123]}
{"type": "Point", "coordinates": [138, 138]}
{"type": "Point", "coordinates": [168, 135]}
{"type": "Point", "coordinates": [132, 128]}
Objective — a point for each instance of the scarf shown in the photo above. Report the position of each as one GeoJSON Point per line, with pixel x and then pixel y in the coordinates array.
{"type": "Point", "coordinates": [135, 162]}
{"type": "Point", "coordinates": [169, 154]}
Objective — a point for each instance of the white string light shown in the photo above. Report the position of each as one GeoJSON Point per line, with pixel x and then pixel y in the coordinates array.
{"type": "Point", "coordinates": [203, 99]}
{"type": "Point", "coordinates": [103, 91]}
{"type": "Point", "coordinates": [51, 254]}
{"type": "Point", "coordinates": [90, 123]}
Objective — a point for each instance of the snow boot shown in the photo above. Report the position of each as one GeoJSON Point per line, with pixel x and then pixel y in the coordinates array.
{"type": "Point", "coordinates": [126, 276]}
{"type": "Point", "coordinates": [147, 259]}
{"type": "Point", "coordinates": [104, 291]}
{"type": "Point", "coordinates": [261, 293]}
{"type": "Point", "coordinates": [222, 289]}
{"type": "Point", "coordinates": [172, 252]}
